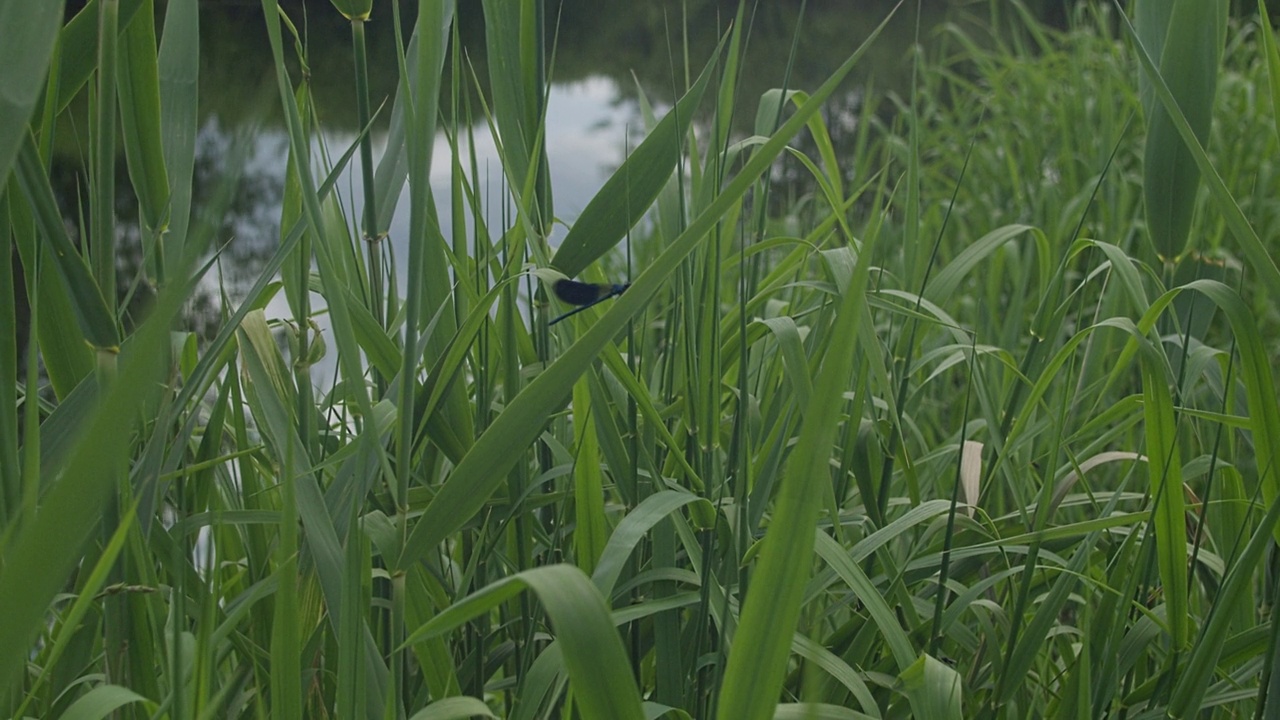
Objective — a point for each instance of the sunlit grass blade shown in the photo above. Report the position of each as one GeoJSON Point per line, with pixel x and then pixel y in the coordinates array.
{"type": "Point", "coordinates": [948, 278]}
{"type": "Point", "coordinates": [70, 622]}
{"type": "Point", "coordinates": [1255, 371]}
{"type": "Point", "coordinates": [816, 711]}
{"type": "Point", "coordinates": [1018, 660]}
{"type": "Point", "coordinates": [794, 361]}
{"type": "Point", "coordinates": [286, 631]}
{"type": "Point", "coordinates": [270, 391]}
{"type": "Point", "coordinates": [11, 477]}
{"type": "Point", "coordinates": [255, 298]}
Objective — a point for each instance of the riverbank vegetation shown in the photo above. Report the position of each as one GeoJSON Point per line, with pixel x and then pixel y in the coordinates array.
{"type": "Point", "coordinates": [951, 403]}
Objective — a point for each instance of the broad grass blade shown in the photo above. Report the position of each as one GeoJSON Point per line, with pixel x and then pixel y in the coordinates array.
{"type": "Point", "coordinates": [91, 310]}
{"type": "Point", "coordinates": [179, 60]}
{"type": "Point", "coordinates": [626, 196]}
{"type": "Point", "coordinates": [1193, 33]}
{"type": "Point", "coordinates": [1164, 465]}
{"type": "Point", "coordinates": [77, 46]}
{"type": "Point", "coordinates": [933, 688]}
{"type": "Point", "coordinates": [27, 33]}
{"type": "Point", "coordinates": [598, 668]}
{"type": "Point", "coordinates": [139, 85]}
{"type": "Point", "coordinates": [1260, 260]}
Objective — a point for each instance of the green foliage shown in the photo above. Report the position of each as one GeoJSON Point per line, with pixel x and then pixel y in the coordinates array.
{"type": "Point", "coordinates": [735, 490]}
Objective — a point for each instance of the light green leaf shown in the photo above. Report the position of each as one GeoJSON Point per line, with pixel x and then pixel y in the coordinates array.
{"type": "Point", "coordinates": [102, 701]}
{"type": "Point", "coordinates": [598, 668]}
{"type": "Point", "coordinates": [454, 708]}
{"type": "Point", "coordinates": [631, 530]}
{"type": "Point", "coordinates": [933, 688]}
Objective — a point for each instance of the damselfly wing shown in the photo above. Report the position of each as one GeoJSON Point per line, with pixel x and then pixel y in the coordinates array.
{"type": "Point", "coordinates": [584, 294]}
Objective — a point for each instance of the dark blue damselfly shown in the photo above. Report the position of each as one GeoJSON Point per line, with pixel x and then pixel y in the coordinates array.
{"type": "Point", "coordinates": [584, 294]}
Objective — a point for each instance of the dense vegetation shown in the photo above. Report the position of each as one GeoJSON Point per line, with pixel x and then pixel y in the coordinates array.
{"type": "Point", "coordinates": [955, 403]}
